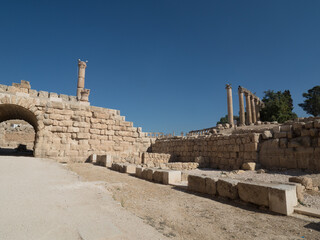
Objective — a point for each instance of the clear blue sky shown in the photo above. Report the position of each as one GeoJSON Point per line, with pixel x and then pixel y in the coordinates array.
{"type": "Point", "coordinates": [163, 63]}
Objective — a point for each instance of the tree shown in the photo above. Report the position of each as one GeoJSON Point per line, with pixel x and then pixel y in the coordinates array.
{"type": "Point", "coordinates": [311, 104]}
{"type": "Point", "coordinates": [278, 106]}
{"type": "Point", "coordinates": [224, 119]}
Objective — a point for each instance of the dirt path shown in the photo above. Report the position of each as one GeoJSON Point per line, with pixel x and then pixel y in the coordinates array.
{"type": "Point", "coordinates": [181, 215]}
{"type": "Point", "coordinates": [41, 200]}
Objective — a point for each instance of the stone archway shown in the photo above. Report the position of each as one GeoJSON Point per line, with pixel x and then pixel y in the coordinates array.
{"type": "Point", "coordinates": [16, 112]}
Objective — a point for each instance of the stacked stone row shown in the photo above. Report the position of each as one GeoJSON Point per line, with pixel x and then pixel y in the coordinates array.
{"type": "Point", "coordinates": [155, 158]}
{"type": "Point", "coordinates": [293, 145]}
{"type": "Point", "coordinates": [25, 92]}
{"type": "Point", "coordinates": [71, 131]}
{"type": "Point", "coordinates": [224, 152]}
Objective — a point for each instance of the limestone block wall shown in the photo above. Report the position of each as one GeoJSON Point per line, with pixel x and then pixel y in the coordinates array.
{"type": "Point", "coordinates": [294, 145]}
{"type": "Point", "coordinates": [155, 158]}
{"type": "Point", "coordinates": [69, 130]}
{"type": "Point", "coordinates": [223, 152]}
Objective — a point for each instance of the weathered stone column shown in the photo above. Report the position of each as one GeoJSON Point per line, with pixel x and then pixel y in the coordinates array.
{"type": "Point", "coordinates": [257, 102]}
{"type": "Point", "coordinates": [81, 75]}
{"type": "Point", "coordinates": [241, 106]}
{"type": "Point", "coordinates": [230, 104]}
{"type": "Point", "coordinates": [248, 108]}
{"type": "Point", "coordinates": [253, 107]}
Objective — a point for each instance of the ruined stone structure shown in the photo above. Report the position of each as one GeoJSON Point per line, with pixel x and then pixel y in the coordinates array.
{"type": "Point", "coordinates": [67, 128]}
{"type": "Point", "coordinates": [82, 93]}
{"type": "Point", "coordinates": [249, 117]}
{"type": "Point", "coordinates": [253, 107]}
{"type": "Point", "coordinates": [70, 130]}
{"type": "Point", "coordinates": [293, 145]}
{"type": "Point", "coordinates": [14, 133]}
{"type": "Point", "coordinates": [230, 104]}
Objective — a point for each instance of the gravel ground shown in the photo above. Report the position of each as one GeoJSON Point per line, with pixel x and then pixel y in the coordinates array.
{"type": "Point", "coordinates": [311, 198]}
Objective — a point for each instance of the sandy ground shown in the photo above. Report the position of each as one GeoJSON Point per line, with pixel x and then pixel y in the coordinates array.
{"type": "Point", "coordinates": [42, 200]}
{"type": "Point", "coordinates": [179, 214]}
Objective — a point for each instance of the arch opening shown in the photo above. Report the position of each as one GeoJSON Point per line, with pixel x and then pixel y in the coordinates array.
{"type": "Point", "coordinates": [18, 130]}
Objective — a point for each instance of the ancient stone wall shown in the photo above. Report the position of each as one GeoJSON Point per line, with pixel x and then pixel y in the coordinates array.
{"type": "Point", "coordinates": [293, 145]}
{"type": "Point", "coordinates": [224, 152]}
{"type": "Point", "coordinates": [70, 130]}
{"type": "Point", "coordinates": [155, 158]}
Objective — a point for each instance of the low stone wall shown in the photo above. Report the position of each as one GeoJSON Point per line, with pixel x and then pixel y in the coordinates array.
{"type": "Point", "coordinates": [293, 145]}
{"type": "Point", "coordinates": [224, 152]}
{"type": "Point", "coordinates": [182, 165]}
{"type": "Point", "coordinates": [155, 158]}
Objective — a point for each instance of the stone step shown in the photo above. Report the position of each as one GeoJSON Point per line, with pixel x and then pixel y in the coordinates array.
{"type": "Point", "coordinates": [312, 212]}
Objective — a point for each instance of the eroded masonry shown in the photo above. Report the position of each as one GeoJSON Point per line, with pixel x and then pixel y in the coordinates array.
{"type": "Point", "coordinates": [66, 128]}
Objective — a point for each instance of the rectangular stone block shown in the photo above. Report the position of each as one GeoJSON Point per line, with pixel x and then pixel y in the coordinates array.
{"type": "Point", "coordinates": [83, 135]}
{"type": "Point", "coordinates": [116, 167]}
{"type": "Point", "coordinates": [197, 183]}
{"type": "Point", "coordinates": [228, 188]}
{"type": "Point", "coordinates": [283, 199]}
{"type": "Point", "coordinates": [147, 174]}
{"type": "Point", "coordinates": [171, 177]}
{"type": "Point", "coordinates": [211, 185]}
{"type": "Point", "coordinates": [33, 93]}
{"type": "Point", "coordinates": [104, 160]}
{"type": "Point", "coordinates": [254, 192]}
{"type": "Point", "coordinates": [43, 94]}
{"type": "Point", "coordinates": [158, 176]}
{"type": "Point", "coordinates": [130, 168]}
{"type": "Point", "coordinates": [122, 168]}
{"type": "Point", "coordinates": [139, 172]}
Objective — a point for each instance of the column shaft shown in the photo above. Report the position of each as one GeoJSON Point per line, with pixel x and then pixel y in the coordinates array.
{"type": "Point", "coordinates": [241, 107]}
{"type": "Point", "coordinates": [253, 107]}
{"type": "Point", "coordinates": [248, 109]}
{"type": "Point", "coordinates": [258, 109]}
{"type": "Point", "coordinates": [81, 75]}
{"type": "Point", "coordinates": [230, 104]}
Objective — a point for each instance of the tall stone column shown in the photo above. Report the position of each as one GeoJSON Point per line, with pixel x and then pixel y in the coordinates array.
{"type": "Point", "coordinates": [81, 75]}
{"type": "Point", "coordinates": [230, 104]}
{"type": "Point", "coordinates": [248, 108]}
{"type": "Point", "coordinates": [241, 106]}
{"type": "Point", "coordinates": [253, 107]}
{"type": "Point", "coordinates": [257, 102]}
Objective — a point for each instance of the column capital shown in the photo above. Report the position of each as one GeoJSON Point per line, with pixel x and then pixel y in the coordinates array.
{"type": "Point", "coordinates": [82, 64]}
{"type": "Point", "coordinates": [241, 89]}
{"type": "Point", "coordinates": [228, 86]}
